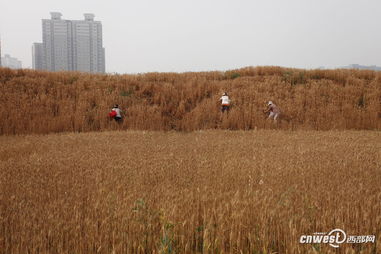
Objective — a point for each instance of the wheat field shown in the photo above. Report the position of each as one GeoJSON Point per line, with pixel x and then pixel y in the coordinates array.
{"type": "Point", "coordinates": [196, 192]}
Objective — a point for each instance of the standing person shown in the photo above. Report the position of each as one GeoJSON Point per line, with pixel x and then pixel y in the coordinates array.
{"type": "Point", "coordinates": [225, 102]}
{"type": "Point", "coordinates": [116, 113]}
{"type": "Point", "coordinates": [273, 110]}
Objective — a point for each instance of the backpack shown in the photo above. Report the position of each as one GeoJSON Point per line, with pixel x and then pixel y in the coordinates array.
{"type": "Point", "coordinates": [112, 114]}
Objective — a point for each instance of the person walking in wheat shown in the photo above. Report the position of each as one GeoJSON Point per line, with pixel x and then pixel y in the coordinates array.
{"type": "Point", "coordinates": [116, 113]}
{"type": "Point", "coordinates": [273, 111]}
{"type": "Point", "coordinates": [225, 102]}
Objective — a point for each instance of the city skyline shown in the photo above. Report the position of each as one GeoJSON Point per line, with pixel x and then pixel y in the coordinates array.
{"type": "Point", "coordinates": [10, 62]}
{"type": "Point", "coordinates": [70, 45]}
{"type": "Point", "coordinates": [180, 36]}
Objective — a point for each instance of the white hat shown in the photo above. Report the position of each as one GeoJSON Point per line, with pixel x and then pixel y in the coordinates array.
{"type": "Point", "coordinates": [270, 103]}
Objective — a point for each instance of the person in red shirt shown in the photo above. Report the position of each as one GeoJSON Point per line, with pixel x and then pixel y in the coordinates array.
{"type": "Point", "coordinates": [116, 113]}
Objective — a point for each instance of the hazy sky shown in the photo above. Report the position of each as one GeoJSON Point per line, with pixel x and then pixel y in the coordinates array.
{"type": "Point", "coordinates": [176, 35]}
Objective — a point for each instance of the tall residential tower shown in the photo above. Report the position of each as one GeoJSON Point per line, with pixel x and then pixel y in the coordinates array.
{"type": "Point", "coordinates": [70, 45]}
{"type": "Point", "coordinates": [88, 52]}
{"type": "Point", "coordinates": [38, 62]}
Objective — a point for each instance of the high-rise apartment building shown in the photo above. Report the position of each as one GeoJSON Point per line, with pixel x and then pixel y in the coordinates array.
{"type": "Point", "coordinates": [57, 41]}
{"type": "Point", "coordinates": [71, 45]}
{"type": "Point", "coordinates": [38, 61]}
{"type": "Point", "coordinates": [88, 52]}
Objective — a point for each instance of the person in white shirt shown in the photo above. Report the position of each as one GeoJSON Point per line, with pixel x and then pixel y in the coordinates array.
{"type": "Point", "coordinates": [118, 111]}
{"type": "Point", "coordinates": [273, 111]}
{"type": "Point", "coordinates": [225, 102]}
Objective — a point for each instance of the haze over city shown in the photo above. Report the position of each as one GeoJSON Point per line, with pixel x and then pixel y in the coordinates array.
{"type": "Point", "coordinates": [179, 36]}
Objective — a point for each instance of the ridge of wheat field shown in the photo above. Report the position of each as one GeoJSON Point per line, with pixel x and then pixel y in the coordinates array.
{"type": "Point", "coordinates": [43, 102]}
{"type": "Point", "coordinates": [197, 192]}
